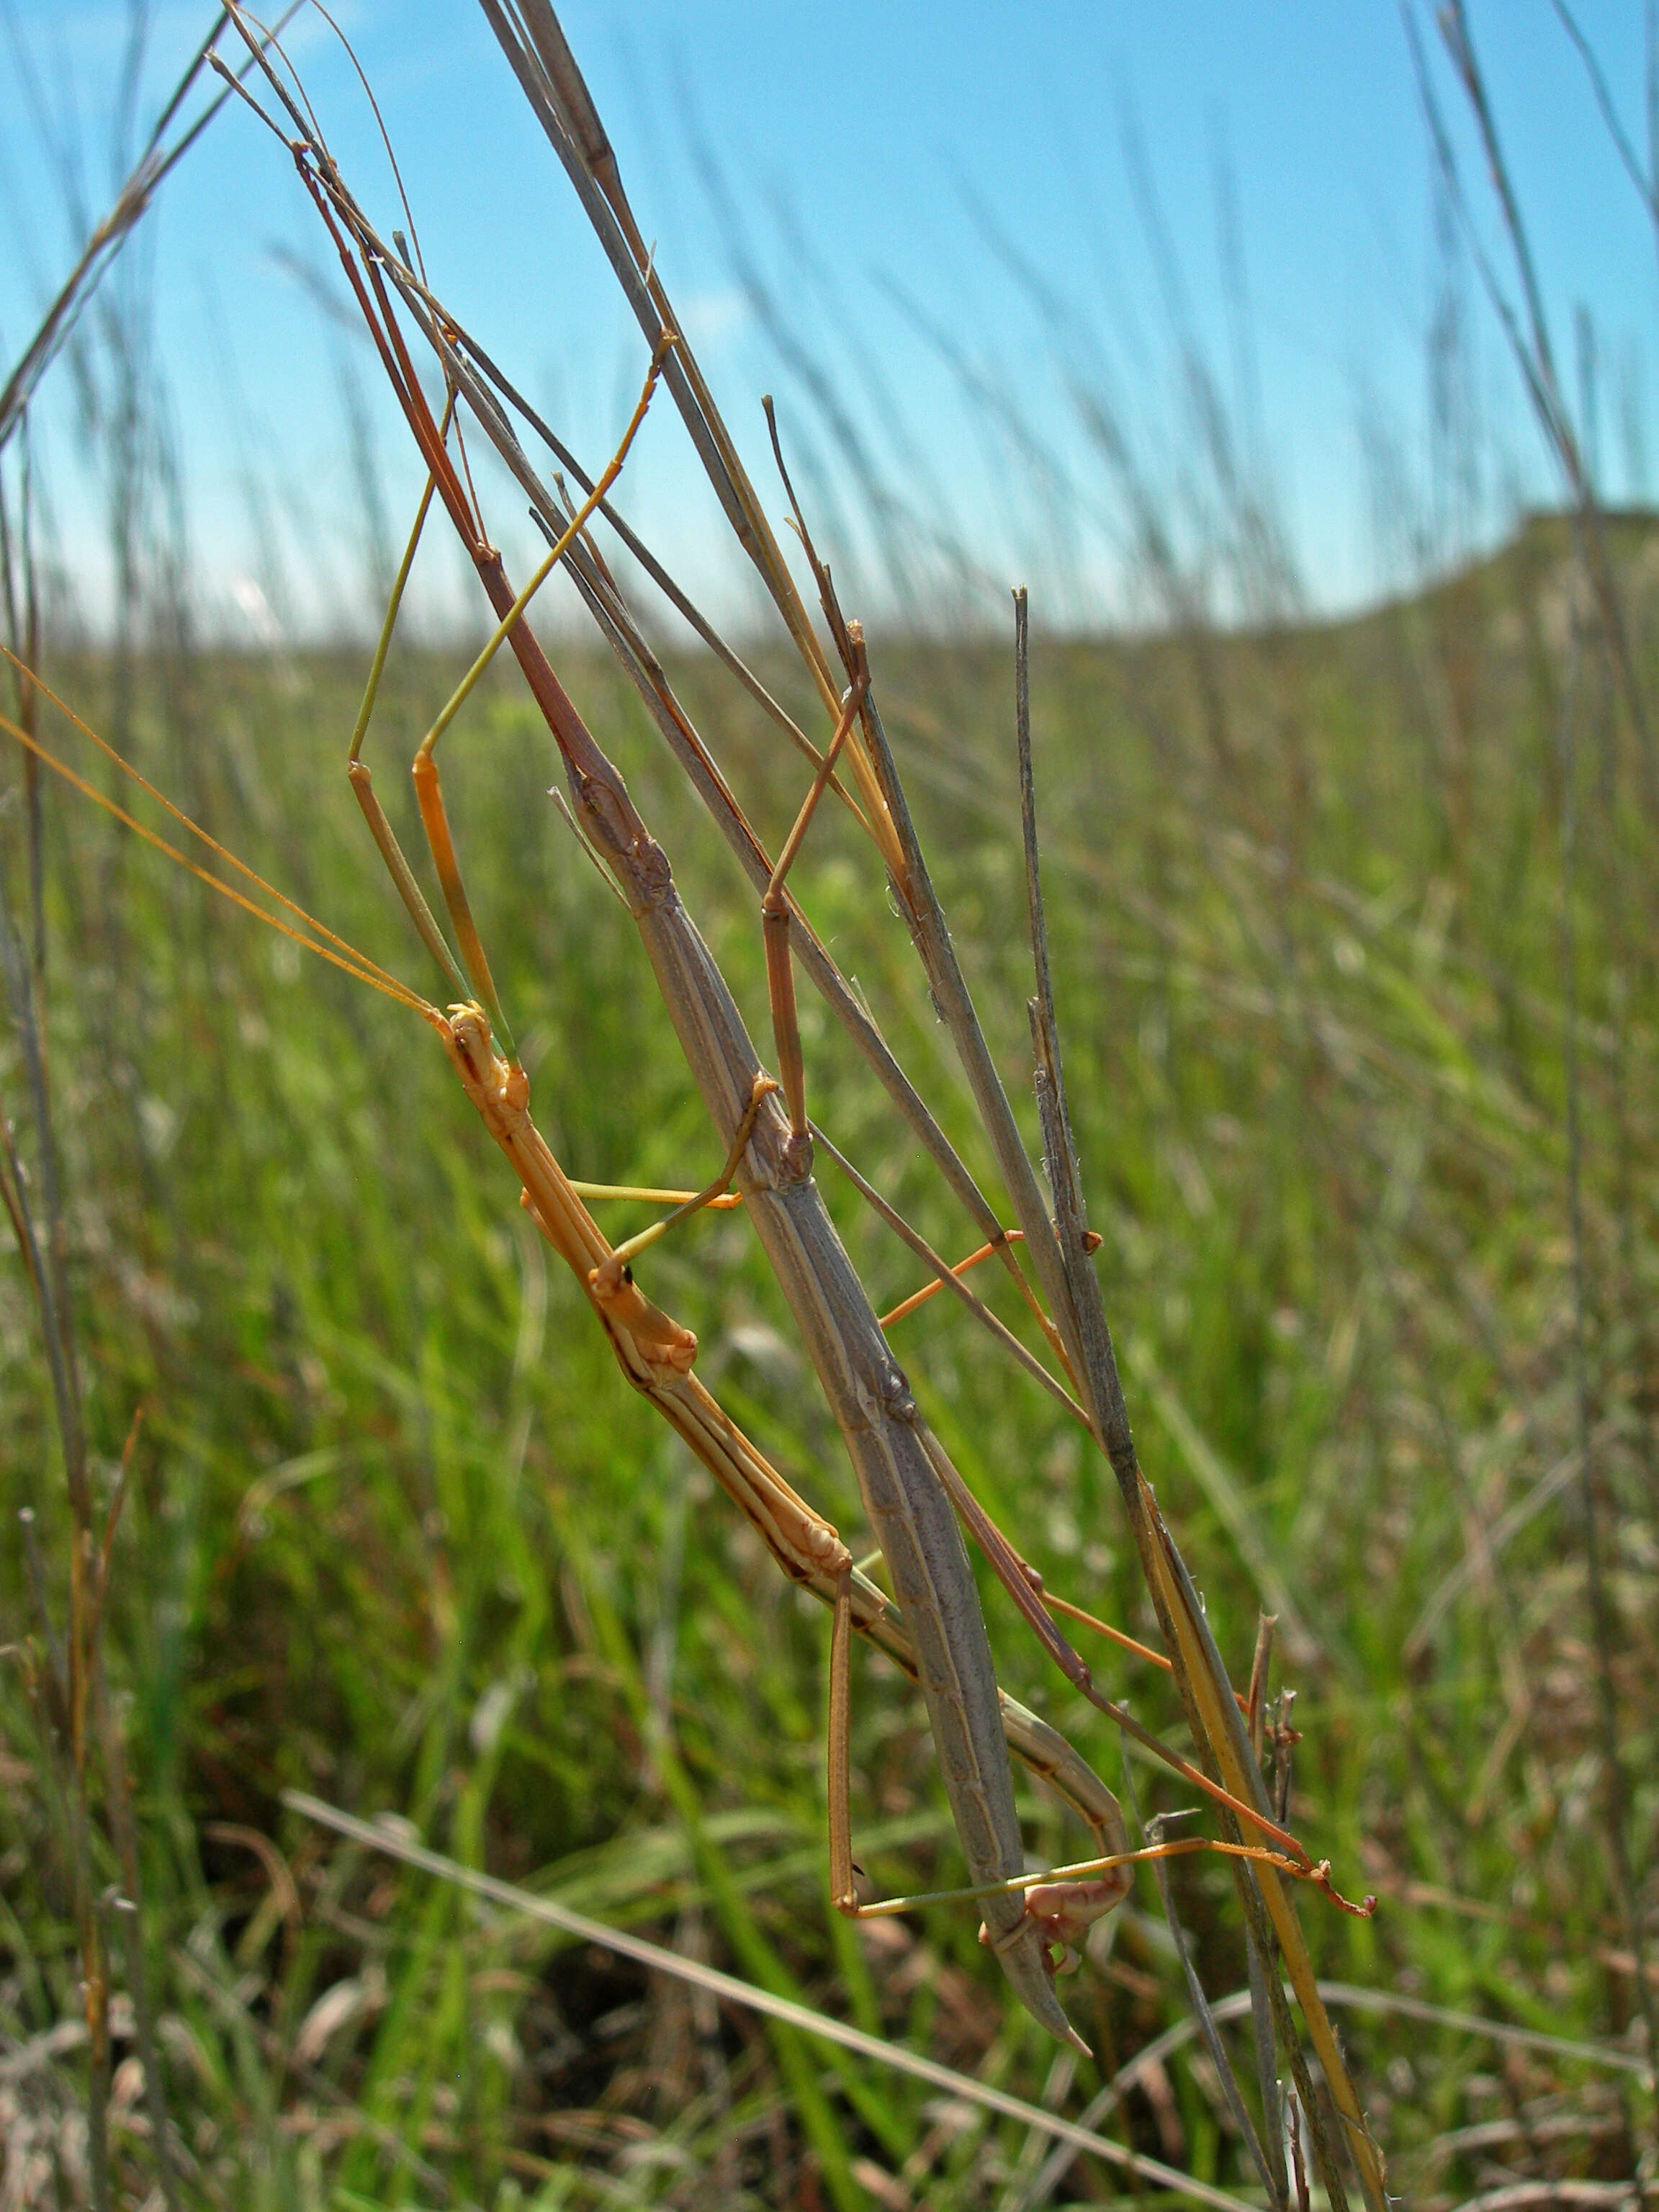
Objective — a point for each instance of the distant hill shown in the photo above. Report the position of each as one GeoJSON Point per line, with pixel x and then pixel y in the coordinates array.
{"type": "Point", "coordinates": [1537, 564]}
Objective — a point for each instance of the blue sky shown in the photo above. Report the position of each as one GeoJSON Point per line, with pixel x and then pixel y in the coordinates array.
{"type": "Point", "coordinates": [885, 162]}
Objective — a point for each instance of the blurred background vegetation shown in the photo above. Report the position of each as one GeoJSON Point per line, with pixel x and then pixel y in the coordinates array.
{"type": "Point", "coordinates": [1352, 925]}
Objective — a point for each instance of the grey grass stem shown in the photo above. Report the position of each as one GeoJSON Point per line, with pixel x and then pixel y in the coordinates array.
{"type": "Point", "coordinates": [48, 1254]}
{"type": "Point", "coordinates": [1530, 343]}
{"type": "Point", "coordinates": [536, 47]}
{"type": "Point", "coordinates": [1602, 92]}
{"type": "Point", "coordinates": [74, 1659]}
{"type": "Point", "coordinates": [128, 1910]}
{"type": "Point", "coordinates": [1529, 338]}
{"type": "Point", "coordinates": [1272, 2173]}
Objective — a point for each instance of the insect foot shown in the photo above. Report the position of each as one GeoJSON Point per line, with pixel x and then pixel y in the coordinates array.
{"type": "Point", "coordinates": [1063, 1913]}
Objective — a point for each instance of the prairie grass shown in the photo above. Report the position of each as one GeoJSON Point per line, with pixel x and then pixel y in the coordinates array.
{"type": "Point", "coordinates": [397, 1536]}
{"type": "Point", "coordinates": [1349, 925]}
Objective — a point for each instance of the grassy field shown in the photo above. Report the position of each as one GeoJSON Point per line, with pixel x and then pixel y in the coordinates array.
{"type": "Point", "coordinates": [1353, 931]}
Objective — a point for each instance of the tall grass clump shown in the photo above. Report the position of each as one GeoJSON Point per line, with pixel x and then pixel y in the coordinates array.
{"type": "Point", "coordinates": [1345, 928]}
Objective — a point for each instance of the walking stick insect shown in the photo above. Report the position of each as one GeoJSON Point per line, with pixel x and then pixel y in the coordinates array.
{"type": "Point", "coordinates": [656, 1355]}
{"type": "Point", "coordinates": [1026, 1919]}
